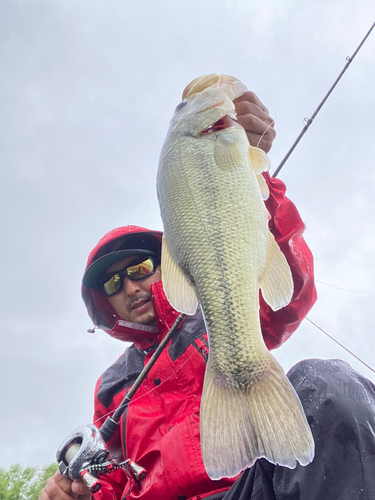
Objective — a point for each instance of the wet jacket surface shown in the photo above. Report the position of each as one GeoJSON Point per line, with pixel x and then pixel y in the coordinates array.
{"type": "Point", "coordinates": [160, 429]}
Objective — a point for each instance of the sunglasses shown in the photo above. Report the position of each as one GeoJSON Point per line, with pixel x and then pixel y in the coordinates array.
{"type": "Point", "coordinates": [135, 271]}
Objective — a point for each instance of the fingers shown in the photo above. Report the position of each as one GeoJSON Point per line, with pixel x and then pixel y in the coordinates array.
{"type": "Point", "coordinates": [255, 119]}
{"type": "Point", "coordinates": [60, 488]}
{"type": "Point", "coordinates": [251, 98]}
{"type": "Point", "coordinates": [56, 488]}
{"type": "Point", "coordinates": [80, 489]}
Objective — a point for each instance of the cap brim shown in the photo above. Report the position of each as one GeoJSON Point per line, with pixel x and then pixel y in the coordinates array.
{"type": "Point", "coordinates": [96, 270]}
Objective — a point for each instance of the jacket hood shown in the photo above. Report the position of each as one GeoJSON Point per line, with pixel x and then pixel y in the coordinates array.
{"type": "Point", "coordinates": [98, 307]}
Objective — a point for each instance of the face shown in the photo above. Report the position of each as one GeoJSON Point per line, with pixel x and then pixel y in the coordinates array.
{"type": "Point", "coordinates": [133, 301]}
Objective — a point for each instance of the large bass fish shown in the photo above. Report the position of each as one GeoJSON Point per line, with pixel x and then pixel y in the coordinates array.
{"type": "Point", "coordinates": [217, 250]}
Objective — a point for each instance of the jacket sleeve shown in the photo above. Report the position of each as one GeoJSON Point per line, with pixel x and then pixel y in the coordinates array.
{"type": "Point", "coordinates": [287, 227]}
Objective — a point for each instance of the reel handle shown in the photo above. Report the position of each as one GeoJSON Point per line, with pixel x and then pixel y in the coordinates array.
{"type": "Point", "coordinates": [92, 482]}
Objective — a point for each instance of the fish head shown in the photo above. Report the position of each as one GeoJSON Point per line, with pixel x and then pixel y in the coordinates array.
{"type": "Point", "coordinates": [205, 101]}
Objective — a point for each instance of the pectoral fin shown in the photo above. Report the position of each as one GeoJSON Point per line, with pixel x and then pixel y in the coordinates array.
{"type": "Point", "coordinates": [265, 192]}
{"type": "Point", "coordinates": [226, 152]}
{"type": "Point", "coordinates": [259, 160]}
{"type": "Point", "coordinates": [260, 163]}
{"type": "Point", "coordinates": [277, 282]}
{"type": "Point", "coordinates": [180, 293]}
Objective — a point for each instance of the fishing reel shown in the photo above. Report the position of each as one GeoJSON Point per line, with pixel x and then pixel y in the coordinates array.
{"type": "Point", "coordinates": [82, 455]}
{"type": "Point", "coordinates": [79, 452]}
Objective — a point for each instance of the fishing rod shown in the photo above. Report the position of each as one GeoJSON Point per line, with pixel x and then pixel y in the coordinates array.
{"type": "Point", "coordinates": [308, 121]}
{"type": "Point", "coordinates": [83, 454]}
{"type": "Point", "coordinates": [111, 423]}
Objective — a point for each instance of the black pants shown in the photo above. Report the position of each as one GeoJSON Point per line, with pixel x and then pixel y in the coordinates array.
{"type": "Point", "coordinates": [340, 407]}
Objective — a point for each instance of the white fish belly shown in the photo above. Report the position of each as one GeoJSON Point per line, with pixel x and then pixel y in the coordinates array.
{"type": "Point", "coordinates": [216, 225]}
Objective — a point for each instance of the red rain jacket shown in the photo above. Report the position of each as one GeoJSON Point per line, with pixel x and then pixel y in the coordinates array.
{"type": "Point", "coordinates": [160, 428]}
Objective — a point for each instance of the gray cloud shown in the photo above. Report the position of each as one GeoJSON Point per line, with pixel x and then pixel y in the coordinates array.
{"type": "Point", "coordinates": [87, 90]}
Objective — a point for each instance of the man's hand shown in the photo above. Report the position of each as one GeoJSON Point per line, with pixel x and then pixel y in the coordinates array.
{"type": "Point", "coordinates": [255, 119]}
{"type": "Point", "coordinates": [60, 488]}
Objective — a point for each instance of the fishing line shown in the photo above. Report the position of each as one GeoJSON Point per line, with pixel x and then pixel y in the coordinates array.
{"type": "Point", "coordinates": [169, 107]}
{"type": "Point", "coordinates": [308, 121]}
{"type": "Point", "coordinates": [337, 342]}
{"type": "Point", "coordinates": [261, 137]}
{"type": "Point", "coordinates": [345, 289]}
{"type": "Point", "coordinates": [148, 392]}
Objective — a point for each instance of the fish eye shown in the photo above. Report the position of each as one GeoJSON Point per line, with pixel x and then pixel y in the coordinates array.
{"type": "Point", "coordinates": [181, 105]}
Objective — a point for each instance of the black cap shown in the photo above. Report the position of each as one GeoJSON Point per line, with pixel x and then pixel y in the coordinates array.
{"type": "Point", "coordinates": [132, 244]}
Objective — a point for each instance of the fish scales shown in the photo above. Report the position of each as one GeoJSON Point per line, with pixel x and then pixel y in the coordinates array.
{"type": "Point", "coordinates": [197, 233]}
{"type": "Point", "coordinates": [217, 250]}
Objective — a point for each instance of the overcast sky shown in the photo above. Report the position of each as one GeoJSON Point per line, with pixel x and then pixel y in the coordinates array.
{"type": "Point", "coordinates": [87, 90]}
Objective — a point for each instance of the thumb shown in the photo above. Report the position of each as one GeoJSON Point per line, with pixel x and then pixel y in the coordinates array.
{"type": "Point", "coordinates": [81, 488]}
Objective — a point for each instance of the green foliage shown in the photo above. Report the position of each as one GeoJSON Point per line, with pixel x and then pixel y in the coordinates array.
{"type": "Point", "coordinates": [18, 483]}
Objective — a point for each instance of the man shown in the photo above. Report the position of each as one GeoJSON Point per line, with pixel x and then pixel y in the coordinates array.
{"type": "Point", "coordinates": [123, 294]}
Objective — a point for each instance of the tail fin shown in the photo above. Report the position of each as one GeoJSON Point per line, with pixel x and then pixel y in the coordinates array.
{"type": "Point", "coordinates": [242, 424]}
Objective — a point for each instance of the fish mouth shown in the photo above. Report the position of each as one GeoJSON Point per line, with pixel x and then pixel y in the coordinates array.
{"type": "Point", "coordinates": [224, 122]}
